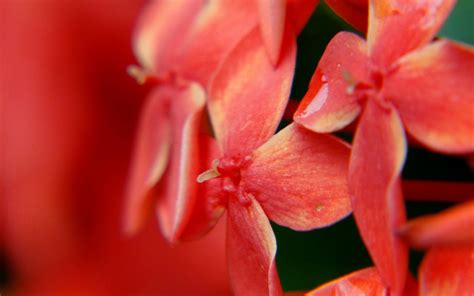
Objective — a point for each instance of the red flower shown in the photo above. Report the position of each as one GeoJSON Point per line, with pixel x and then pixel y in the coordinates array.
{"type": "Point", "coordinates": [394, 79]}
{"type": "Point", "coordinates": [295, 178]}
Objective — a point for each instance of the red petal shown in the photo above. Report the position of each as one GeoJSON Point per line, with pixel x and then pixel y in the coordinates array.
{"type": "Point", "coordinates": [251, 249]}
{"type": "Point", "coordinates": [355, 12]}
{"type": "Point", "coordinates": [245, 110]}
{"type": "Point", "coordinates": [222, 24]}
{"type": "Point", "coordinates": [207, 206]}
{"type": "Point", "coordinates": [454, 226]}
{"type": "Point", "coordinates": [433, 93]}
{"type": "Point", "coordinates": [150, 158]}
{"type": "Point", "coordinates": [299, 12]}
{"type": "Point", "coordinates": [397, 27]}
{"type": "Point", "coordinates": [161, 29]}
{"type": "Point", "coordinates": [362, 282]}
{"type": "Point", "coordinates": [272, 25]}
{"type": "Point", "coordinates": [300, 178]}
{"type": "Point", "coordinates": [374, 183]}
{"type": "Point", "coordinates": [178, 188]}
{"type": "Point", "coordinates": [328, 105]}
{"type": "Point", "coordinates": [448, 271]}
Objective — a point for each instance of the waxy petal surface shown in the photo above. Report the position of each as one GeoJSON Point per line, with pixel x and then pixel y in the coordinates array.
{"type": "Point", "coordinates": [362, 282]}
{"type": "Point", "coordinates": [245, 109]}
{"type": "Point", "coordinates": [397, 27]}
{"type": "Point", "coordinates": [300, 178]}
{"type": "Point", "coordinates": [448, 271]}
{"type": "Point", "coordinates": [217, 30]}
{"type": "Point", "coordinates": [161, 29]}
{"type": "Point", "coordinates": [432, 90]}
{"type": "Point", "coordinates": [150, 158]}
{"type": "Point", "coordinates": [329, 104]}
{"type": "Point", "coordinates": [378, 154]}
{"type": "Point", "coordinates": [454, 226]}
{"type": "Point", "coordinates": [355, 12]}
{"type": "Point", "coordinates": [272, 14]}
{"type": "Point", "coordinates": [251, 249]}
{"type": "Point", "coordinates": [176, 192]}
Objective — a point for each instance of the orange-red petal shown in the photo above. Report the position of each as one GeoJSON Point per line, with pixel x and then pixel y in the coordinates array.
{"type": "Point", "coordinates": [272, 15]}
{"type": "Point", "coordinates": [162, 28]}
{"type": "Point", "coordinates": [248, 95]}
{"type": "Point", "coordinates": [176, 191]}
{"type": "Point", "coordinates": [251, 250]}
{"type": "Point", "coordinates": [363, 282]}
{"type": "Point", "coordinates": [329, 104]}
{"type": "Point", "coordinates": [397, 27]}
{"type": "Point", "coordinates": [300, 178]}
{"type": "Point", "coordinates": [448, 271]}
{"type": "Point", "coordinates": [219, 27]}
{"type": "Point", "coordinates": [454, 226]}
{"type": "Point", "coordinates": [150, 158]}
{"type": "Point", "coordinates": [377, 159]}
{"type": "Point", "coordinates": [355, 12]}
{"type": "Point", "coordinates": [432, 90]}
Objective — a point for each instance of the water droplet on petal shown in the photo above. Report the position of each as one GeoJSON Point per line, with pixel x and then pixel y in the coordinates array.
{"type": "Point", "coordinates": [318, 101]}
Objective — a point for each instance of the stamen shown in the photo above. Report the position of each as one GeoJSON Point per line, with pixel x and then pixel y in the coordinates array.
{"type": "Point", "coordinates": [140, 75]}
{"type": "Point", "coordinates": [209, 174]}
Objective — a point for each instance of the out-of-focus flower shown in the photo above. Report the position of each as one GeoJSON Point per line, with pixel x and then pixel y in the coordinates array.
{"type": "Point", "coordinates": [395, 79]}
{"type": "Point", "coordinates": [68, 110]}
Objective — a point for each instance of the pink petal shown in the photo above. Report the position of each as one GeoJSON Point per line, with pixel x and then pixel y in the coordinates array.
{"type": "Point", "coordinates": [299, 12]}
{"type": "Point", "coordinates": [355, 12]}
{"type": "Point", "coordinates": [150, 158]}
{"type": "Point", "coordinates": [432, 90]}
{"type": "Point", "coordinates": [448, 271]}
{"type": "Point", "coordinates": [300, 178]}
{"type": "Point", "coordinates": [374, 183]}
{"type": "Point", "coordinates": [161, 29]}
{"type": "Point", "coordinates": [454, 226]}
{"type": "Point", "coordinates": [362, 282]}
{"type": "Point", "coordinates": [397, 27]}
{"type": "Point", "coordinates": [272, 15]}
{"type": "Point", "coordinates": [251, 249]}
{"type": "Point", "coordinates": [329, 104]}
{"type": "Point", "coordinates": [245, 109]}
{"type": "Point", "coordinates": [207, 206]}
{"type": "Point", "coordinates": [220, 26]}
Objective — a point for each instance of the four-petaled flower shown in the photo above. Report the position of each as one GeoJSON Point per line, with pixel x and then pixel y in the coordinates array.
{"type": "Point", "coordinates": [396, 78]}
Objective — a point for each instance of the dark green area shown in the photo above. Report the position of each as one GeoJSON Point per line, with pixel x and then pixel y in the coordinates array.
{"type": "Point", "coordinates": [308, 259]}
{"type": "Point", "coordinates": [426, 165]}
{"type": "Point", "coordinates": [460, 23]}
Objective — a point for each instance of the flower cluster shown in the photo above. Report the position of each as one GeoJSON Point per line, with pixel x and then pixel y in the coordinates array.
{"type": "Point", "coordinates": [222, 73]}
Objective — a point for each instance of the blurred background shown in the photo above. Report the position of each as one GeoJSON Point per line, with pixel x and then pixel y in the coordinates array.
{"type": "Point", "coordinates": [68, 113]}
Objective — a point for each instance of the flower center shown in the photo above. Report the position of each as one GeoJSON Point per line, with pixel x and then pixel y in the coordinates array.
{"type": "Point", "coordinates": [228, 169]}
{"type": "Point", "coordinates": [370, 89]}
